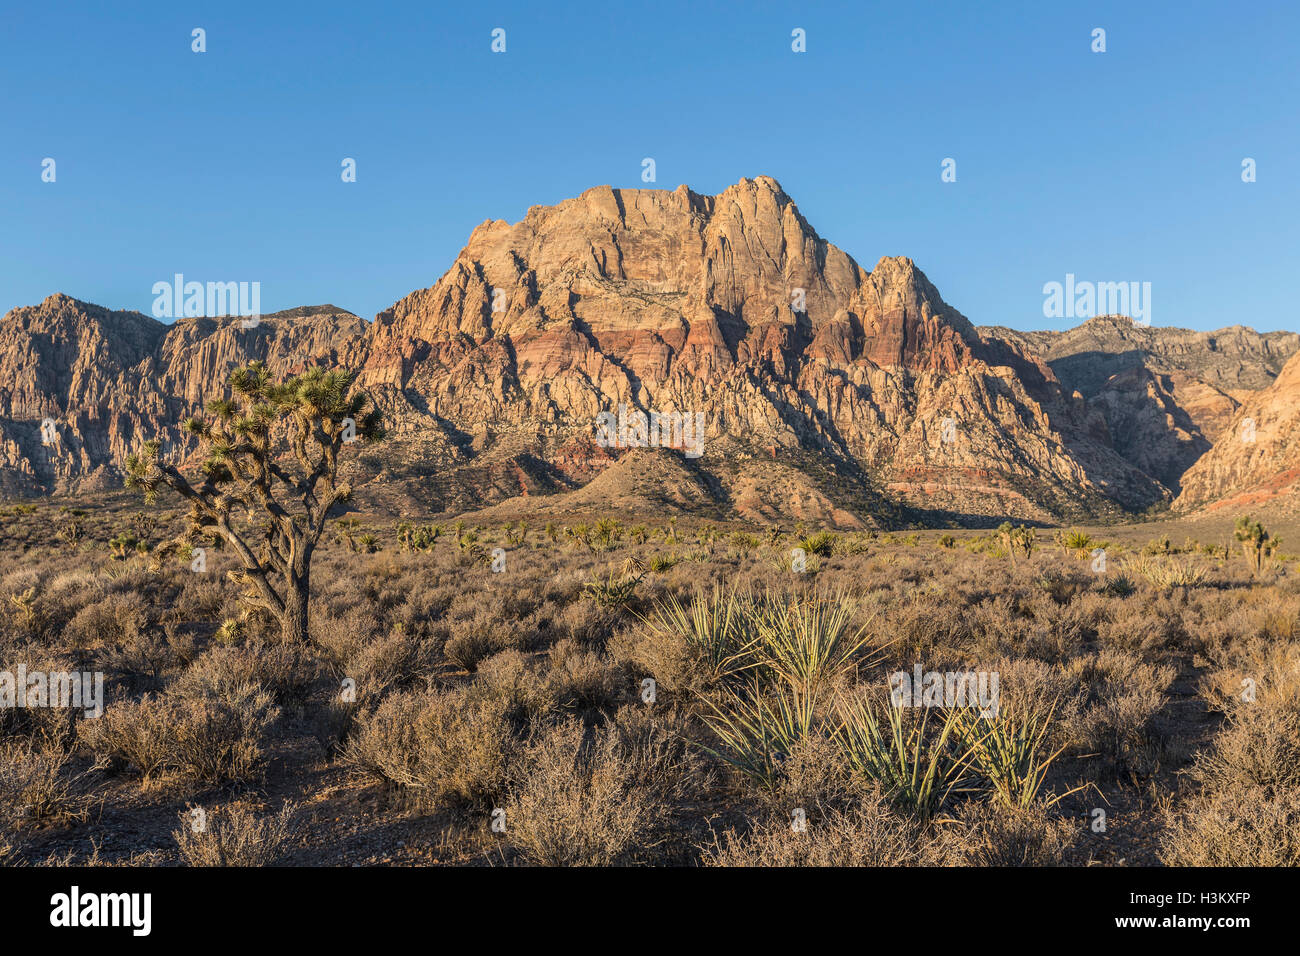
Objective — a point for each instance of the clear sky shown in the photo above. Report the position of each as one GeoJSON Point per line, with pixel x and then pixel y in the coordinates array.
{"type": "Point", "coordinates": [225, 165]}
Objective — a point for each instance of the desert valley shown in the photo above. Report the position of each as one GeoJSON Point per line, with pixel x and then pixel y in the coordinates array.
{"type": "Point", "coordinates": [626, 532]}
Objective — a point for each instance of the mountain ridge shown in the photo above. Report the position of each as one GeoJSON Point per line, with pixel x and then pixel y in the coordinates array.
{"type": "Point", "coordinates": [731, 305]}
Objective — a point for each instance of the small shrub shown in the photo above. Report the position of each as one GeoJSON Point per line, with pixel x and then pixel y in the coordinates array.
{"type": "Point", "coordinates": [234, 836]}
{"type": "Point", "coordinates": [575, 801]}
{"type": "Point", "coordinates": [443, 747]}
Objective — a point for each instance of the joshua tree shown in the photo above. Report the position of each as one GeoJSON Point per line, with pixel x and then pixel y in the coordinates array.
{"type": "Point", "coordinates": [344, 529]}
{"type": "Point", "coordinates": [71, 527]}
{"type": "Point", "coordinates": [1016, 539]}
{"type": "Point", "coordinates": [123, 543]}
{"type": "Point", "coordinates": [286, 498]}
{"type": "Point", "coordinates": [607, 533]}
{"type": "Point", "coordinates": [1256, 543]}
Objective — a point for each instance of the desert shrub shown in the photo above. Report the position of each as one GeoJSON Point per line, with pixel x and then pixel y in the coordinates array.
{"type": "Point", "coordinates": [234, 836]}
{"type": "Point", "coordinates": [575, 800]}
{"type": "Point", "coordinates": [582, 678]}
{"type": "Point", "coordinates": [133, 735]}
{"type": "Point", "coordinates": [200, 599]}
{"type": "Point", "coordinates": [1259, 747]}
{"type": "Point", "coordinates": [221, 739]}
{"type": "Point", "coordinates": [39, 787]}
{"type": "Point", "coordinates": [116, 618]}
{"type": "Point", "coordinates": [1115, 717]}
{"type": "Point", "coordinates": [518, 682]}
{"type": "Point", "coordinates": [922, 627]}
{"type": "Point", "coordinates": [287, 671]}
{"type": "Point", "coordinates": [869, 834]}
{"type": "Point", "coordinates": [1258, 667]}
{"type": "Point", "coordinates": [1024, 835]}
{"type": "Point", "coordinates": [815, 773]}
{"type": "Point", "coordinates": [394, 661]}
{"type": "Point", "coordinates": [446, 747]}
{"type": "Point", "coordinates": [143, 657]}
{"type": "Point", "coordinates": [1152, 630]}
{"type": "Point", "coordinates": [660, 758]}
{"type": "Point", "coordinates": [588, 623]}
{"type": "Point", "coordinates": [1061, 587]}
{"type": "Point", "coordinates": [1246, 827]}
{"type": "Point", "coordinates": [475, 639]}
{"type": "Point", "coordinates": [44, 726]}
{"type": "Point", "coordinates": [342, 636]}
{"type": "Point", "coordinates": [214, 738]}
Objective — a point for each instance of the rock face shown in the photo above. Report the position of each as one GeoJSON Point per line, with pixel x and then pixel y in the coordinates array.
{"type": "Point", "coordinates": [86, 385]}
{"type": "Point", "coordinates": [1163, 395]}
{"type": "Point", "coordinates": [824, 390]}
{"type": "Point", "coordinates": [1257, 459]}
{"type": "Point", "coordinates": [734, 307]}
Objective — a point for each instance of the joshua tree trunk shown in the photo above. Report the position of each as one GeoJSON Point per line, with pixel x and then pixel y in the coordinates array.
{"type": "Point", "coordinates": [293, 623]}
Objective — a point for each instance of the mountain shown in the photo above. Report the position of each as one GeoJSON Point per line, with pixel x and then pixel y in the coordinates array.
{"type": "Point", "coordinates": [824, 391]}
{"type": "Point", "coordinates": [1166, 395]}
{"type": "Point", "coordinates": [107, 381]}
{"type": "Point", "coordinates": [733, 306]}
{"type": "Point", "coordinates": [1257, 461]}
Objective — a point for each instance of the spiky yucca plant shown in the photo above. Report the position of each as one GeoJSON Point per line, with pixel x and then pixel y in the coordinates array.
{"type": "Point", "coordinates": [916, 764]}
{"type": "Point", "coordinates": [806, 643]}
{"type": "Point", "coordinates": [821, 544]}
{"type": "Point", "coordinates": [1165, 573]}
{"type": "Point", "coordinates": [757, 730]}
{"type": "Point", "coordinates": [1009, 752]}
{"type": "Point", "coordinates": [271, 508]}
{"type": "Point", "coordinates": [713, 628]}
{"type": "Point", "coordinates": [1073, 540]}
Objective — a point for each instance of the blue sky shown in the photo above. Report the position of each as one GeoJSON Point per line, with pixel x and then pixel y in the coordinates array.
{"type": "Point", "coordinates": [225, 165]}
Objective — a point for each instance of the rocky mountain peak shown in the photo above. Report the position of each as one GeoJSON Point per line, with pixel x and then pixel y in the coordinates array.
{"type": "Point", "coordinates": [825, 389]}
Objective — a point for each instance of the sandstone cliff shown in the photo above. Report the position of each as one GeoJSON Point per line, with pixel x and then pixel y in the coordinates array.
{"type": "Point", "coordinates": [1257, 459]}
{"type": "Point", "coordinates": [826, 391]}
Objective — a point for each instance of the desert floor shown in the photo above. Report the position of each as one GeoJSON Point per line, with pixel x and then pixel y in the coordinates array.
{"type": "Point", "coordinates": [448, 713]}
